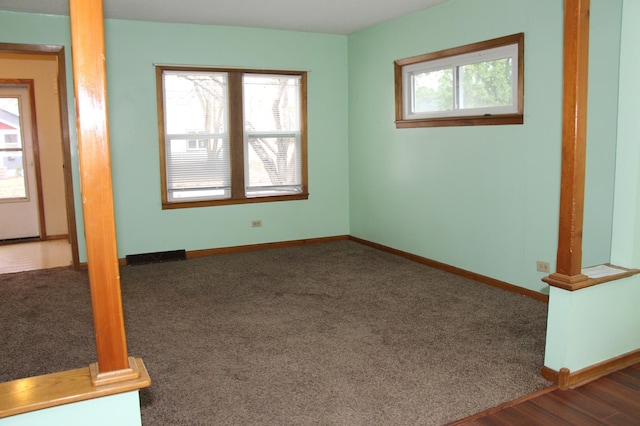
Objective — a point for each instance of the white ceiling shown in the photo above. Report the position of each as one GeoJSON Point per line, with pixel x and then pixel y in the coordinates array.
{"type": "Point", "coordinates": [324, 16]}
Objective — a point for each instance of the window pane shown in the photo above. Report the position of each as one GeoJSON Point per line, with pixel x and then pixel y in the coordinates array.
{"type": "Point", "coordinates": [272, 134]}
{"type": "Point", "coordinates": [10, 123]}
{"type": "Point", "coordinates": [432, 91]}
{"type": "Point", "coordinates": [195, 102]}
{"type": "Point", "coordinates": [12, 181]}
{"type": "Point", "coordinates": [197, 173]}
{"type": "Point", "coordinates": [273, 164]}
{"type": "Point", "coordinates": [485, 84]}
{"type": "Point", "coordinates": [196, 140]}
{"type": "Point", "coordinates": [11, 141]}
{"type": "Point", "coordinates": [13, 184]}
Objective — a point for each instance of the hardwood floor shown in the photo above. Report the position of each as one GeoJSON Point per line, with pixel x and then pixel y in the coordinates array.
{"type": "Point", "coordinates": [611, 400]}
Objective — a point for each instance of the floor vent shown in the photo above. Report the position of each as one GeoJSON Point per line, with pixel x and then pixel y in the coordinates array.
{"type": "Point", "coordinates": [157, 257]}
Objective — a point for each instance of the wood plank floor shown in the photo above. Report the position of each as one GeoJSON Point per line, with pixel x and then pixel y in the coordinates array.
{"type": "Point", "coordinates": [611, 400]}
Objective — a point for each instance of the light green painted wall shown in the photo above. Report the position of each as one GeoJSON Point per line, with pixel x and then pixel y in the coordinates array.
{"type": "Point", "coordinates": [484, 199]}
{"type": "Point", "coordinates": [604, 55]}
{"type": "Point", "coordinates": [592, 325]}
{"type": "Point", "coordinates": [121, 409]}
{"type": "Point", "coordinates": [132, 48]}
{"type": "Point", "coordinates": [626, 244]}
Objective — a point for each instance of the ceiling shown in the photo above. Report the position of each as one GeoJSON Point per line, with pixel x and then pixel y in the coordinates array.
{"type": "Point", "coordinates": [323, 16]}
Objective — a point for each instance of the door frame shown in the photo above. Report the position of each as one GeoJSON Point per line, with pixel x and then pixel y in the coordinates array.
{"type": "Point", "coordinates": [59, 53]}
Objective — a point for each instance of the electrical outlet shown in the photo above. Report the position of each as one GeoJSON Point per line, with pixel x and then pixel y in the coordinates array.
{"type": "Point", "coordinates": [256, 223]}
{"type": "Point", "coordinates": [543, 266]}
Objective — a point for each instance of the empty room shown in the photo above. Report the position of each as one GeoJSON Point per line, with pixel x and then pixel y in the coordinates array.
{"type": "Point", "coordinates": [341, 212]}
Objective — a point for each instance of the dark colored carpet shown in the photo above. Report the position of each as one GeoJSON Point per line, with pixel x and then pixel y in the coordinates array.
{"type": "Point", "coordinates": [331, 334]}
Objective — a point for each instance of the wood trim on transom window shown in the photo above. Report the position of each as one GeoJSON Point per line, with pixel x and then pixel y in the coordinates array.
{"type": "Point", "coordinates": [475, 120]}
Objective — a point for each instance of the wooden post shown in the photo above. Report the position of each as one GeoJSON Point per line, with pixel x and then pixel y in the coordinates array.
{"type": "Point", "coordinates": [87, 36]}
{"type": "Point", "coordinates": [574, 132]}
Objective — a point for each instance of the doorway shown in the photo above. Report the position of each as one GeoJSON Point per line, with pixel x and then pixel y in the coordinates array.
{"type": "Point", "coordinates": [19, 182]}
{"type": "Point", "coordinates": [56, 218]}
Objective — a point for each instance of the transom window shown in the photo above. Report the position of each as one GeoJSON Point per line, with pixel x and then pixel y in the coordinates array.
{"type": "Point", "coordinates": [231, 136]}
{"type": "Point", "coordinates": [476, 84]}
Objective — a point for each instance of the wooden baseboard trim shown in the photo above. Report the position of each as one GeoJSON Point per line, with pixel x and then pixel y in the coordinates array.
{"type": "Point", "coordinates": [193, 254]}
{"type": "Point", "coordinates": [457, 271]}
{"type": "Point", "coordinates": [560, 378]}
{"type": "Point", "coordinates": [51, 390]}
{"type": "Point", "coordinates": [19, 241]}
{"type": "Point", "coordinates": [566, 379]}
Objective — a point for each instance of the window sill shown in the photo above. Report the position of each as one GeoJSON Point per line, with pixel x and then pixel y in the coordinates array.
{"type": "Point", "coordinates": [232, 201]}
{"type": "Point", "coordinates": [475, 120]}
{"type": "Point", "coordinates": [577, 282]}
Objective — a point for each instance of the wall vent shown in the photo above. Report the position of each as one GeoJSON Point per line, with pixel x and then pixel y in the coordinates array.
{"type": "Point", "coordinates": [157, 257]}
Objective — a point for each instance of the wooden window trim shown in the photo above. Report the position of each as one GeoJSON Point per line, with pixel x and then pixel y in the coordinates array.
{"type": "Point", "coordinates": [478, 120]}
{"type": "Point", "coordinates": [236, 132]}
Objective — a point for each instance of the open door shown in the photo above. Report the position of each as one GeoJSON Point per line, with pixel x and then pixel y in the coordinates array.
{"type": "Point", "coordinates": [19, 201]}
{"type": "Point", "coordinates": [26, 62]}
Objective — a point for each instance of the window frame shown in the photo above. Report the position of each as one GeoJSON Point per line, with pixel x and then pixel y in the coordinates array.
{"type": "Point", "coordinates": [236, 138]}
{"type": "Point", "coordinates": [453, 55]}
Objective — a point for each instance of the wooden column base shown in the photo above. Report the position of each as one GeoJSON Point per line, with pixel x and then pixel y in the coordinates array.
{"type": "Point", "coordinates": [577, 282]}
{"type": "Point", "coordinates": [109, 377]}
{"type": "Point", "coordinates": [567, 282]}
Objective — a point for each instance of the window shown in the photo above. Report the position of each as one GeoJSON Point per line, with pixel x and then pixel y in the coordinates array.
{"type": "Point", "coordinates": [231, 136]}
{"type": "Point", "coordinates": [476, 84]}
{"type": "Point", "coordinates": [196, 143]}
{"type": "Point", "coordinates": [11, 139]}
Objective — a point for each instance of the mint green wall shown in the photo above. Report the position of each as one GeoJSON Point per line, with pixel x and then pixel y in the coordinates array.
{"type": "Point", "coordinates": [121, 409]}
{"type": "Point", "coordinates": [604, 55]}
{"type": "Point", "coordinates": [626, 244]}
{"type": "Point", "coordinates": [132, 48]}
{"type": "Point", "coordinates": [479, 198]}
{"type": "Point", "coordinates": [595, 324]}
{"type": "Point", "coordinates": [592, 325]}
{"type": "Point", "coordinates": [484, 199]}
